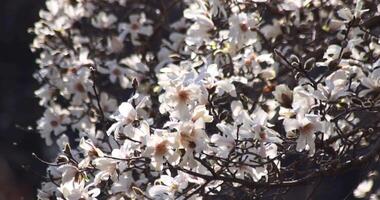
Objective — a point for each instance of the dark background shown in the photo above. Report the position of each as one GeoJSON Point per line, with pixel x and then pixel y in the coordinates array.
{"type": "Point", "coordinates": [20, 173]}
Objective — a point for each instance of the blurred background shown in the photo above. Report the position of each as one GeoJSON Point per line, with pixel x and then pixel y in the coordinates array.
{"type": "Point", "coordinates": [20, 173]}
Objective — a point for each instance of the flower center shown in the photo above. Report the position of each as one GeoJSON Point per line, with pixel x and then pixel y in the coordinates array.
{"type": "Point", "coordinates": [263, 135]}
{"type": "Point", "coordinates": [286, 100]}
{"type": "Point", "coordinates": [79, 87]}
{"type": "Point", "coordinates": [307, 129]}
{"type": "Point", "coordinates": [72, 70]}
{"type": "Point", "coordinates": [116, 72]}
{"type": "Point", "coordinates": [161, 148]}
{"type": "Point", "coordinates": [54, 123]}
{"type": "Point", "coordinates": [135, 26]}
{"type": "Point", "coordinates": [244, 27]}
{"type": "Point", "coordinates": [183, 96]}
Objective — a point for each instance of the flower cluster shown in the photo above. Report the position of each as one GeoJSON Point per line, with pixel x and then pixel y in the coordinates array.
{"type": "Point", "coordinates": [205, 98]}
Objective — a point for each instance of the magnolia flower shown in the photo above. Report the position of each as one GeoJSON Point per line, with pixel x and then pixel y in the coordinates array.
{"type": "Point", "coordinates": [138, 25]}
{"type": "Point", "coordinates": [107, 104]}
{"type": "Point", "coordinates": [160, 147]}
{"type": "Point", "coordinates": [45, 93]}
{"type": "Point", "coordinates": [336, 87]}
{"type": "Point", "coordinates": [372, 83]}
{"type": "Point", "coordinates": [241, 26]}
{"type": "Point", "coordinates": [244, 169]}
{"type": "Point", "coordinates": [201, 112]}
{"type": "Point", "coordinates": [332, 53]}
{"type": "Point", "coordinates": [199, 31]}
{"type": "Point", "coordinates": [265, 135]}
{"type": "Point", "coordinates": [240, 115]}
{"type": "Point", "coordinates": [307, 125]}
{"type": "Point", "coordinates": [303, 100]}
{"type": "Point", "coordinates": [209, 78]}
{"type": "Point", "coordinates": [83, 58]}
{"type": "Point", "coordinates": [107, 169]}
{"type": "Point", "coordinates": [79, 86]}
{"type": "Point", "coordinates": [166, 186]}
{"type": "Point", "coordinates": [224, 143]}
{"type": "Point", "coordinates": [90, 149]}
{"type": "Point", "coordinates": [191, 135]}
{"type": "Point", "coordinates": [363, 188]}
{"type": "Point", "coordinates": [74, 190]}
{"type": "Point", "coordinates": [126, 182]}
{"type": "Point", "coordinates": [251, 61]}
{"type": "Point", "coordinates": [294, 5]}
{"type": "Point", "coordinates": [225, 85]}
{"type": "Point", "coordinates": [104, 20]}
{"type": "Point", "coordinates": [54, 120]}
{"type": "Point", "coordinates": [115, 72]}
{"type": "Point", "coordinates": [69, 172]}
{"type": "Point", "coordinates": [128, 125]}
{"type": "Point", "coordinates": [272, 30]}
{"type": "Point", "coordinates": [347, 15]}
{"type": "Point", "coordinates": [135, 68]}
{"type": "Point", "coordinates": [115, 44]}
{"type": "Point", "coordinates": [179, 97]}
{"type": "Point", "coordinates": [47, 191]}
{"type": "Point", "coordinates": [126, 115]}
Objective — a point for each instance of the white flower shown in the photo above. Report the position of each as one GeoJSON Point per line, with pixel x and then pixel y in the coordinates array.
{"type": "Point", "coordinates": [240, 28]}
{"type": "Point", "coordinates": [107, 104]}
{"type": "Point", "coordinates": [347, 15]}
{"type": "Point", "coordinates": [179, 97]}
{"type": "Point", "coordinates": [138, 25]}
{"type": "Point", "coordinates": [74, 190]}
{"type": "Point", "coordinates": [83, 58]}
{"type": "Point", "coordinates": [336, 87]}
{"type": "Point", "coordinates": [332, 53]}
{"type": "Point", "coordinates": [69, 172]}
{"type": "Point", "coordinates": [135, 68]}
{"type": "Point", "coordinates": [191, 135]}
{"type": "Point", "coordinates": [54, 120]}
{"type": "Point", "coordinates": [107, 169]}
{"type": "Point", "coordinates": [307, 125]}
{"type": "Point", "coordinates": [128, 123]}
{"type": "Point", "coordinates": [226, 142]}
{"type": "Point", "coordinates": [200, 112]}
{"type": "Point", "coordinates": [372, 83]}
{"type": "Point", "coordinates": [125, 116]}
{"type": "Point", "coordinates": [45, 93]}
{"type": "Point", "coordinates": [363, 188]}
{"type": "Point", "coordinates": [199, 32]}
{"type": "Point", "coordinates": [90, 149]}
{"type": "Point", "coordinates": [225, 85]}
{"type": "Point", "coordinates": [244, 169]}
{"type": "Point", "coordinates": [115, 44]}
{"type": "Point", "coordinates": [271, 31]}
{"type": "Point", "coordinates": [104, 20]}
{"type": "Point", "coordinates": [168, 186]}
{"type": "Point", "coordinates": [47, 191]}
{"type": "Point", "coordinates": [115, 72]}
{"type": "Point", "coordinates": [303, 100]}
{"type": "Point", "coordinates": [294, 5]}
{"type": "Point", "coordinates": [125, 183]}
{"type": "Point", "coordinates": [79, 86]}
{"type": "Point", "coordinates": [160, 146]}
